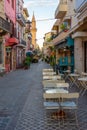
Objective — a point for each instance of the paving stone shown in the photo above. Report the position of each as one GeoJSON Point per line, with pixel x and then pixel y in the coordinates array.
{"type": "Point", "coordinates": [23, 97]}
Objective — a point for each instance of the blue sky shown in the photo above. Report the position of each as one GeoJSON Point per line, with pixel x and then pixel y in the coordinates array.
{"type": "Point", "coordinates": [43, 9]}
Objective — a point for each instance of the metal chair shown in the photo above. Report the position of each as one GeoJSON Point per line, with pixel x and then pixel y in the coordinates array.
{"type": "Point", "coordinates": [69, 103]}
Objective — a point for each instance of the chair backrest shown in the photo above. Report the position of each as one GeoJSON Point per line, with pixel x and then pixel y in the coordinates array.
{"type": "Point", "coordinates": [47, 70]}
{"type": "Point", "coordinates": [51, 77]}
{"type": "Point", "coordinates": [51, 95]}
{"type": "Point", "coordinates": [49, 73]}
{"type": "Point", "coordinates": [66, 85]}
{"type": "Point", "coordinates": [56, 85]}
{"type": "Point", "coordinates": [52, 81]}
{"type": "Point", "coordinates": [69, 95]}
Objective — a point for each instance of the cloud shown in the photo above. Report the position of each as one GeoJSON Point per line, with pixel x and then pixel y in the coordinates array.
{"type": "Point", "coordinates": [39, 3]}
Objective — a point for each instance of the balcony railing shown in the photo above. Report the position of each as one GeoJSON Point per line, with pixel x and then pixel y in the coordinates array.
{"type": "Point", "coordinates": [61, 9]}
{"type": "Point", "coordinates": [21, 19]}
{"type": "Point", "coordinates": [23, 42]}
{"type": "Point", "coordinates": [5, 25]}
{"type": "Point", "coordinates": [80, 4]}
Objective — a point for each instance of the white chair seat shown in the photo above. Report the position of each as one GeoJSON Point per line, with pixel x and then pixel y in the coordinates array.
{"type": "Point", "coordinates": [68, 105]}
{"type": "Point", "coordinates": [51, 105]}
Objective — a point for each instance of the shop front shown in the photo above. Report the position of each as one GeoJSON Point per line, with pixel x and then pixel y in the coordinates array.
{"type": "Point", "coordinates": [10, 54]}
{"type": "Point", "coordinates": [65, 52]}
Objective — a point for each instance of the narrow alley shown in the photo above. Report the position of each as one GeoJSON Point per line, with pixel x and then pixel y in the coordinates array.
{"type": "Point", "coordinates": [21, 102]}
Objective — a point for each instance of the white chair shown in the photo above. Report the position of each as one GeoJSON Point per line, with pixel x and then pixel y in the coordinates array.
{"type": "Point", "coordinates": [52, 82]}
{"type": "Point", "coordinates": [49, 73]}
{"type": "Point", "coordinates": [69, 103]}
{"type": "Point", "coordinates": [47, 70]}
{"type": "Point", "coordinates": [52, 77]}
{"type": "Point", "coordinates": [51, 101]}
{"type": "Point", "coordinates": [55, 85]}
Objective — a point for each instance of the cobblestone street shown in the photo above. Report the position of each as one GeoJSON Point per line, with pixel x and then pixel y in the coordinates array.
{"type": "Point", "coordinates": [21, 102]}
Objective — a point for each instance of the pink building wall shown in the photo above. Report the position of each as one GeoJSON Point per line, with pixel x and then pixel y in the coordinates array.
{"type": "Point", "coordinates": [10, 12]}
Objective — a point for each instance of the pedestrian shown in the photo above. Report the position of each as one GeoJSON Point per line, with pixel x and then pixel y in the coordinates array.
{"type": "Point", "coordinates": [58, 68]}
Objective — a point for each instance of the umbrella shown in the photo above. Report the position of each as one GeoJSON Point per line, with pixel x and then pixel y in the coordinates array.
{"type": "Point", "coordinates": [29, 53]}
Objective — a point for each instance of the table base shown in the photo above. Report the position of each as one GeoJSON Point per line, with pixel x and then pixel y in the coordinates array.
{"type": "Point", "coordinates": [58, 115]}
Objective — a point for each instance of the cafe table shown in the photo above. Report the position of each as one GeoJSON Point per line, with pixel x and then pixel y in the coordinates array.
{"type": "Point", "coordinates": [66, 73]}
{"type": "Point", "coordinates": [49, 73]}
{"type": "Point", "coordinates": [73, 78]}
{"type": "Point", "coordinates": [83, 83]}
{"type": "Point", "coordinates": [60, 113]}
{"type": "Point", "coordinates": [58, 90]}
{"type": "Point", "coordinates": [48, 70]}
{"type": "Point", "coordinates": [51, 77]}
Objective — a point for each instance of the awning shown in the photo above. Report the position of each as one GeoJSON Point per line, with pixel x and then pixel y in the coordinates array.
{"type": "Point", "coordinates": [29, 53]}
{"type": "Point", "coordinates": [62, 44]}
{"type": "Point", "coordinates": [12, 41]}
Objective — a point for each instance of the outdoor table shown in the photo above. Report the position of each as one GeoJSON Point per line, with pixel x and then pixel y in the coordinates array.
{"type": "Point", "coordinates": [49, 73]}
{"type": "Point", "coordinates": [53, 81]}
{"type": "Point", "coordinates": [55, 85]}
{"type": "Point", "coordinates": [2, 69]}
{"type": "Point", "coordinates": [60, 113]}
{"type": "Point", "coordinates": [84, 74]}
{"type": "Point", "coordinates": [66, 73]}
{"type": "Point", "coordinates": [51, 77]}
{"type": "Point", "coordinates": [47, 70]}
{"type": "Point", "coordinates": [73, 79]}
{"type": "Point", "coordinates": [58, 90]}
{"type": "Point", "coordinates": [83, 82]}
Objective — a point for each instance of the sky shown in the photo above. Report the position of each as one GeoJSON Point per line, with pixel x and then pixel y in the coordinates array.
{"type": "Point", "coordinates": [44, 11]}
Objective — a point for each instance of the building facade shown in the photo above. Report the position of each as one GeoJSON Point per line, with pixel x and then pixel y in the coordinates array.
{"type": "Point", "coordinates": [63, 42]}
{"type": "Point", "coordinates": [20, 27]}
{"type": "Point", "coordinates": [2, 32]}
{"type": "Point", "coordinates": [10, 38]}
{"type": "Point", "coordinates": [79, 33]}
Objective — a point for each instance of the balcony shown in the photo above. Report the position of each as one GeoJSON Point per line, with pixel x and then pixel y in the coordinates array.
{"type": "Point", "coordinates": [80, 5]}
{"type": "Point", "coordinates": [61, 9]}
{"type": "Point", "coordinates": [21, 19]}
{"type": "Point", "coordinates": [23, 42]}
{"type": "Point", "coordinates": [5, 26]}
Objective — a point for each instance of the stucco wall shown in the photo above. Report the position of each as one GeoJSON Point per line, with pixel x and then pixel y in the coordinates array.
{"type": "Point", "coordinates": [78, 53]}
{"type": "Point", "coordinates": [10, 12]}
{"type": "Point", "coordinates": [2, 13]}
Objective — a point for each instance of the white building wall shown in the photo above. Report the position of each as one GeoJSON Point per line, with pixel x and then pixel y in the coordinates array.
{"type": "Point", "coordinates": [78, 53]}
{"type": "Point", "coordinates": [80, 3]}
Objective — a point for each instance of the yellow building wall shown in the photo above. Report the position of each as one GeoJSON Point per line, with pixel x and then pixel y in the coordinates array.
{"type": "Point", "coordinates": [2, 13]}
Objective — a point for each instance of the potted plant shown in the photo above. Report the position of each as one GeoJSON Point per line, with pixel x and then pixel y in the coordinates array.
{"type": "Point", "coordinates": [27, 62]}
{"type": "Point", "coordinates": [64, 27]}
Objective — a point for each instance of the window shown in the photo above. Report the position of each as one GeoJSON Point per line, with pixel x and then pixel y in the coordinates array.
{"type": "Point", "coordinates": [0, 53]}
{"type": "Point", "coordinates": [13, 4]}
{"type": "Point", "coordinates": [8, 1]}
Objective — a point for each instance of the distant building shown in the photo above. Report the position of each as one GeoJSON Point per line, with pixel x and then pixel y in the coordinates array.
{"type": "Point", "coordinates": [33, 31]}
{"type": "Point", "coordinates": [20, 25]}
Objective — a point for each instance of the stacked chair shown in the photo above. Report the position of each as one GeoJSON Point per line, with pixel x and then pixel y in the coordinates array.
{"type": "Point", "coordinates": [57, 99]}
